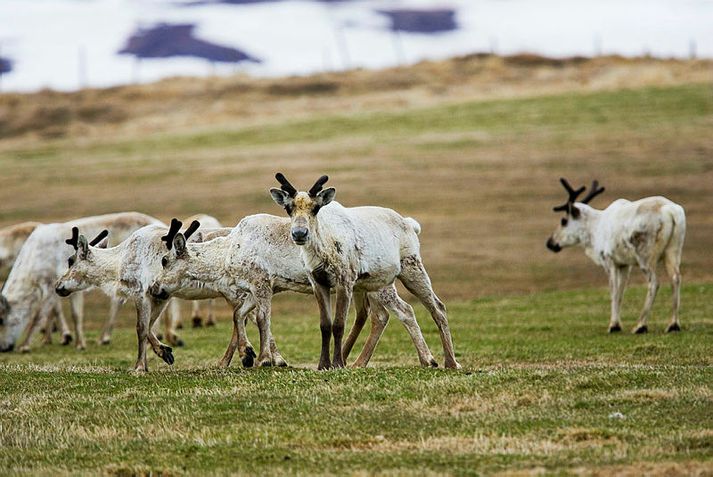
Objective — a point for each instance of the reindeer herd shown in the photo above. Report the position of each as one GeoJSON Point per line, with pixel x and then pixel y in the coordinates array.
{"type": "Point", "coordinates": [337, 253]}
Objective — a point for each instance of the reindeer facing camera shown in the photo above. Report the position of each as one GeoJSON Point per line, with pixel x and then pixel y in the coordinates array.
{"type": "Point", "coordinates": [642, 233]}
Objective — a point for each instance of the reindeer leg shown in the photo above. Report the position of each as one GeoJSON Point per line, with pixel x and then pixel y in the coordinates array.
{"type": "Point", "coordinates": [617, 283]}
{"type": "Point", "coordinates": [171, 318]}
{"type": "Point", "coordinates": [263, 300]}
{"type": "Point", "coordinates": [405, 314]}
{"type": "Point", "coordinates": [162, 351]}
{"type": "Point", "coordinates": [196, 314]}
{"type": "Point", "coordinates": [77, 305]}
{"type": "Point", "coordinates": [344, 298]}
{"type": "Point", "coordinates": [672, 260]}
{"type": "Point", "coordinates": [324, 301]}
{"type": "Point", "coordinates": [379, 320]}
{"type": "Point", "coordinates": [211, 313]}
{"type": "Point", "coordinates": [641, 325]}
{"type": "Point", "coordinates": [416, 280]}
{"type": "Point", "coordinates": [239, 339]}
{"type": "Point", "coordinates": [143, 320]}
{"type": "Point", "coordinates": [361, 304]}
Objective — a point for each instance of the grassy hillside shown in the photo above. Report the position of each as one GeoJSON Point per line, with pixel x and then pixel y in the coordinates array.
{"type": "Point", "coordinates": [480, 176]}
{"type": "Point", "coordinates": [541, 386]}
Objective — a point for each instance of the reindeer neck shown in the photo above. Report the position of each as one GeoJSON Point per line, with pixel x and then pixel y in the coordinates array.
{"type": "Point", "coordinates": [106, 264]}
{"type": "Point", "coordinates": [590, 218]}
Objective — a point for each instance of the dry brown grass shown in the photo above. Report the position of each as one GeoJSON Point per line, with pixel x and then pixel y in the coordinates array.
{"type": "Point", "coordinates": [436, 141]}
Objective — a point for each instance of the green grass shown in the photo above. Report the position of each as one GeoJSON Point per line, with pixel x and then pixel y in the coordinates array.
{"type": "Point", "coordinates": [540, 382]}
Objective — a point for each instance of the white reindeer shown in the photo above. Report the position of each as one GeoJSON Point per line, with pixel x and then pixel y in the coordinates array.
{"type": "Point", "coordinates": [253, 263]}
{"type": "Point", "coordinates": [356, 249]}
{"type": "Point", "coordinates": [26, 295]}
{"type": "Point", "coordinates": [127, 270]}
{"type": "Point", "coordinates": [12, 239]}
{"type": "Point", "coordinates": [625, 234]}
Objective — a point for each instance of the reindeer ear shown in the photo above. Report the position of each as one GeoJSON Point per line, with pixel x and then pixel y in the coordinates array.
{"type": "Point", "coordinates": [179, 245]}
{"type": "Point", "coordinates": [326, 196]}
{"type": "Point", "coordinates": [103, 243]}
{"type": "Point", "coordinates": [280, 197]}
{"type": "Point", "coordinates": [82, 247]}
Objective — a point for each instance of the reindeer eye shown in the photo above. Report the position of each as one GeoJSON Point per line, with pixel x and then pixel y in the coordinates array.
{"type": "Point", "coordinates": [564, 221]}
{"type": "Point", "coordinates": [164, 262]}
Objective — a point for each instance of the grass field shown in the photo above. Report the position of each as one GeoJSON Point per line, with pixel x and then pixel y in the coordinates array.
{"type": "Point", "coordinates": [540, 384]}
{"type": "Point", "coordinates": [472, 149]}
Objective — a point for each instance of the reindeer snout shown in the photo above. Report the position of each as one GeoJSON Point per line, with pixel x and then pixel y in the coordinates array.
{"type": "Point", "coordinates": [299, 235]}
{"type": "Point", "coordinates": [157, 291]}
{"type": "Point", "coordinates": [554, 246]}
{"type": "Point", "coordinates": [61, 291]}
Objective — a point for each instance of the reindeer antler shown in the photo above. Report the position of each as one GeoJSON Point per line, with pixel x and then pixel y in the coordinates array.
{"type": "Point", "coordinates": [317, 187]}
{"type": "Point", "coordinates": [594, 191]}
{"type": "Point", "coordinates": [172, 231]}
{"type": "Point", "coordinates": [573, 194]}
{"type": "Point", "coordinates": [74, 240]}
{"type": "Point", "coordinates": [285, 184]}
{"type": "Point", "coordinates": [191, 229]}
{"type": "Point", "coordinates": [99, 237]}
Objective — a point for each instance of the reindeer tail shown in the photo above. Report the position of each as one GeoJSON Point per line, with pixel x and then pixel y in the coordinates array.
{"type": "Point", "coordinates": [414, 225]}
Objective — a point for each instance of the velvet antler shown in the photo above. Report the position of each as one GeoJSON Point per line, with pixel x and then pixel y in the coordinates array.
{"type": "Point", "coordinates": [573, 194]}
{"type": "Point", "coordinates": [74, 239]}
{"type": "Point", "coordinates": [172, 231]}
{"type": "Point", "coordinates": [99, 237]}
{"type": "Point", "coordinates": [285, 184]}
{"type": "Point", "coordinates": [317, 187]}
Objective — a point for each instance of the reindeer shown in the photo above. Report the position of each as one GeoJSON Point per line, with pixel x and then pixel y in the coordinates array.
{"type": "Point", "coordinates": [127, 270]}
{"type": "Point", "coordinates": [28, 295]}
{"type": "Point", "coordinates": [643, 233]}
{"type": "Point", "coordinates": [255, 261]}
{"type": "Point", "coordinates": [207, 222]}
{"type": "Point", "coordinates": [12, 239]}
{"type": "Point", "coordinates": [356, 249]}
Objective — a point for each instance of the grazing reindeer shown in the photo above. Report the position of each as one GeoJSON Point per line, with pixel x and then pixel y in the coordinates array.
{"type": "Point", "coordinates": [358, 248]}
{"type": "Point", "coordinates": [253, 263]}
{"type": "Point", "coordinates": [12, 239]}
{"type": "Point", "coordinates": [28, 295]}
{"type": "Point", "coordinates": [642, 233]}
{"type": "Point", "coordinates": [207, 222]}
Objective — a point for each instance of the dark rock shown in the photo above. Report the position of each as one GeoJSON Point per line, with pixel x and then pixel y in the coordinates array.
{"type": "Point", "coordinates": [167, 41]}
{"type": "Point", "coordinates": [422, 21]}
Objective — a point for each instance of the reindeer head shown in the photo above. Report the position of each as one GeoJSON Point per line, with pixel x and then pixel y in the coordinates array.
{"type": "Point", "coordinates": [302, 207]}
{"type": "Point", "coordinates": [175, 263]}
{"type": "Point", "coordinates": [80, 274]}
{"type": "Point", "coordinates": [571, 229]}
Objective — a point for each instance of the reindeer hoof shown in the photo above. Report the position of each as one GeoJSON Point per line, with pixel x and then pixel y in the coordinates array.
{"type": "Point", "coordinates": [66, 339]}
{"type": "Point", "coordinates": [280, 363]}
{"type": "Point", "coordinates": [324, 365]}
{"type": "Point", "coordinates": [249, 358]}
{"type": "Point", "coordinates": [179, 326]}
{"type": "Point", "coordinates": [210, 323]}
{"type": "Point", "coordinates": [641, 330]}
{"type": "Point", "coordinates": [615, 328]}
{"type": "Point", "coordinates": [433, 363]}
{"type": "Point", "coordinates": [266, 363]}
{"type": "Point", "coordinates": [673, 327]}
{"type": "Point", "coordinates": [24, 349]}
{"type": "Point", "coordinates": [180, 343]}
{"type": "Point", "coordinates": [105, 341]}
{"type": "Point", "coordinates": [197, 322]}
{"type": "Point", "coordinates": [167, 354]}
